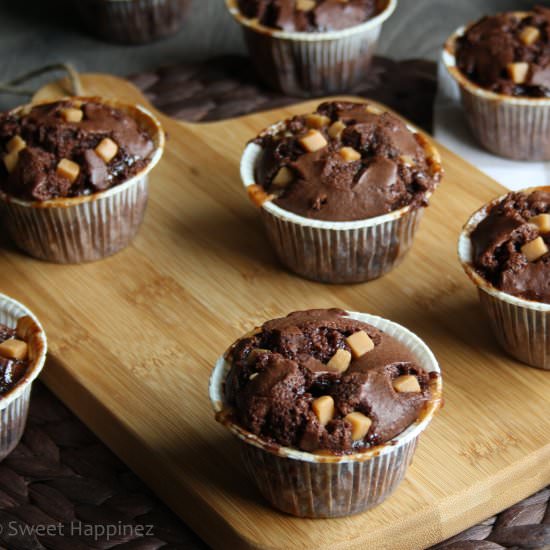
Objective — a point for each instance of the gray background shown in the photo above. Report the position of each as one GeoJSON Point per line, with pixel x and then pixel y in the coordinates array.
{"type": "Point", "coordinates": [37, 32]}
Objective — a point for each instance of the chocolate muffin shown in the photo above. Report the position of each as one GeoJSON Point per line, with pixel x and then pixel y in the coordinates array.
{"type": "Point", "coordinates": [345, 162]}
{"type": "Point", "coordinates": [510, 245]}
{"type": "Point", "coordinates": [508, 53]}
{"type": "Point", "coordinates": [311, 47]}
{"type": "Point", "coordinates": [309, 15]}
{"type": "Point", "coordinates": [320, 381]}
{"type": "Point", "coordinates": [74, 176]}
{"type": "Point", "coordinates": [14, 354]}
{"type": "Point", "coordinates": [70, 148]}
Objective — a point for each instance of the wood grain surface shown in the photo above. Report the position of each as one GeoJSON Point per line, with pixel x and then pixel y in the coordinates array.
{"type": "Point", "coordinates": [133, 339]}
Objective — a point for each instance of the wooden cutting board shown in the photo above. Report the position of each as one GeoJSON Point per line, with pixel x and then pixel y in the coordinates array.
{"type": "Point", "coordinates": [133, 339]}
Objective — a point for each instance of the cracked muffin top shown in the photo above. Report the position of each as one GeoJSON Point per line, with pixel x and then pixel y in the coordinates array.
{"type": "Point", "coordinates": [320, 381]}
{"type": "Point", "coordinates": [510, 245]}
{"type": "Point", "coordinates": [69, 148]}
{"type": "Point", "coordinates": [347, 161]}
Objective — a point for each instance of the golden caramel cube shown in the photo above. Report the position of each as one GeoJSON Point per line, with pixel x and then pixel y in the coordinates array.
{"type": "Point", "coordinates": [107, 150]}
{"type": "Point", "coordinates": [535, 249]}
{"type": "Point", "coordinates": [317, 121]}
{"type": "Point", "coordinates": [283, 178]}
{"type": "Point", "coordinates": [25, 326]}
{"type": "Point", "coordinates": [305, 5]}
{"type": "Point", "coordinates": [518, 71]}
{"type": "Point", "coordinates": [349, 154]}
{"type": "Point", "coordinates": [323, 407]}
{"type": "Point", "coordinates": [257, 195]}
{"type": "Point", "coordinates": [68, 169]}
{"type": "Point", "coordinates": [14, 349]}
{"type": "Point", "coordinates": [542, 221]}
{"type": "Point", "coordinates": [408, 160]}
{"type": "Point", "coordinates": [360, 425]}
{"type": "Point", "coordinates": [72, 115]}
{"type": "Point", "coordinates": [10, 161]}
{"type": "Point", "coordinates": [16, 144]}
{"type": "Point", "coordinates": [340, 361]}
{"type": "Point", "coordinates": [406, 383]}
{"type": "Point", "coordinates": [313, 141]}
{"type": "Point", "coordinates": [529, 35]}
{"type": "Point", "coordinates": [360, 343]}
{"type": "Point", "coordinates": [336, 129]}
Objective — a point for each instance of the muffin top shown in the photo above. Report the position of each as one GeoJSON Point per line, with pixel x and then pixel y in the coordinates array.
{"type": "Point", "coordinates": [14, 354]}
{"type": "Point", "coordinates": [344, 162]}
{"type": "Point", "coordinates": [320, 381]}
{"type": "Point", "coordinates": [309, 15]}
{"type": "Point", "coordinates": [69, 148]}
{"type": "Point", "coordinates": [511, 245]}
{"type": "Point", "coordinates": [508, 54]}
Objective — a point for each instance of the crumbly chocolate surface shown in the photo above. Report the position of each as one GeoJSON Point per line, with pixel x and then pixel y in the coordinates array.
{"type": "Point", "coordinates": [487, 49]}
{"type": "Point", "coordinates": [272, 390]}
{"type": "Point", "coordinates": [309, 15]}
{"type": "Point", "coordinates": [391, 169]}
{"type": "Point", "coordinates": [498, 240]}
{"type": "Point", "coordinates": [11, 370]}
{"type": "Point", "coordinates": [48, 139]}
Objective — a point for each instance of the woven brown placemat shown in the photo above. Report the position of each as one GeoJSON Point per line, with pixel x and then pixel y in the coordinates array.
{"type": "Point", "coordinates": [62, 489]}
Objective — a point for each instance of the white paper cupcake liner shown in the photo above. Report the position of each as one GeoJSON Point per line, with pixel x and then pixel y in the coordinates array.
{"type": "Point", "coordinates": [522, 327]}
{"type": "Point", "coordinates": [508, 126]}
{"type": "Point", "coordinates": [337, 252]}
{"type": "Point", "coordinates": [15, 404]}
{"type": "Point", "coordinates": [305, 64]}
{"type": "Point", "coordinates": [133, 21]}
{"type": "Point", "coordinates": [88, 228]}
{"type": "Point", "coordinates": [308, 485]}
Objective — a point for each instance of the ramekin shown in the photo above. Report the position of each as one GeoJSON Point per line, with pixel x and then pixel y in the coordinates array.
{"type": "Point", "coordinates": [508, 126]}
{"type": "Point", "coordinates": [522, 327]}
{"type": "Point", "coordinates": [307, 64]}
{"type": "Point", "coordinates": [339, 252]}
{"type": "Point", "coordinates": [322, 486]}
{"type": "Point", "coordinates": [133, 21]}
{"type": "Point", "coordinates": [87, 228]}
{"type": "Point", "coordinates": [14, 405]}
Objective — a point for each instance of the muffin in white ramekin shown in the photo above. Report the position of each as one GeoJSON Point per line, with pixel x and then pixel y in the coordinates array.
{"type": "Point", "coordinates": [326, 485]}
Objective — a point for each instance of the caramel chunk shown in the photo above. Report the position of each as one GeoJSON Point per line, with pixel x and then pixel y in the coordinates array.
{"type": "Point", "coordinates": [360, 425]}
{"type": "Point", "coordinates": [340, 361]}
{"type": "Point", "coordinates": [107, 150]}
{"type": "Point", "coordinates": [349, 154]}
{"type": "Point", "coordinates": [317, 121]}
{"type": "Point", "coordinates": [336, 129]}
{"type": "Point", "coordinates": [14, 349]}
{"type": "Point", "coordinates": [11, 160]}
{"type": "Point", "coordinates": [313, 141]}
{"type": "Point", "coordinates": [542, 221]}
{"type": "Point", "coordinates": [283, 177]}
{"type": "Point", "coordinates": [406, 383]}
{"type": "Point", "coordinates": [25, 325]}
{"type": "Point", "coordinates": [535, 249]}
{"type": "Point", "coordinates": [529, 35]}
{"type": "Point", "coordinates": [360, 343]}
{"type": "Point", "coordinates": [518, 71]}
{"type": "Point", "coordinates": [305, 5]}
{"type": "Point", "coordinates": [407, 160]}
{"type": "Point", "coordinates": [16, 144]}
{"type": "Point", "coordinates": [72, 115]}
{"type": "Point", "coordinates": [323, 407]}
{"type": "Point", "coordinates": [68, 169]}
